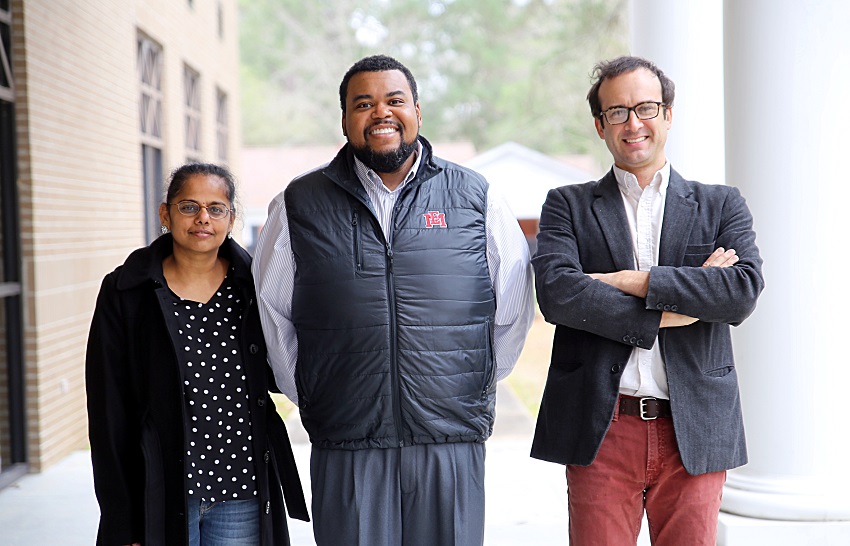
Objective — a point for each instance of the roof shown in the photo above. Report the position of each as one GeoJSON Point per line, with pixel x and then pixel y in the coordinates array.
{"type": "Point", "coordinates": [525, 176]}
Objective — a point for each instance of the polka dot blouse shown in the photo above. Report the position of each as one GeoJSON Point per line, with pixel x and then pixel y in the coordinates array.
{"type": "Point", "coordinates": [219, 463]}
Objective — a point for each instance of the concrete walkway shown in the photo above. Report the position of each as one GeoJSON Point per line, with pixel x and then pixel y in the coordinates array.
{"type": "Point", "coordinates": [526, 498]}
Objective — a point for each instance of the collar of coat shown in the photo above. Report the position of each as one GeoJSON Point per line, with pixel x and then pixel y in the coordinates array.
{"type": "Point", "coordinates": [145, 264]}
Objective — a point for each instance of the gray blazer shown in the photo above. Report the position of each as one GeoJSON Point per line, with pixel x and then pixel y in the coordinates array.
{"type": "Point", "coordinates": [583, 228]}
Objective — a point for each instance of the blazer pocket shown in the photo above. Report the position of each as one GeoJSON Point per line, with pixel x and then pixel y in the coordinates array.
{"type": "Point", "coordinates": [719, 372]}
{"type": "Point", "coordinates": [565, 366]}
{"type": "Point", "coordinates": [695, 255]}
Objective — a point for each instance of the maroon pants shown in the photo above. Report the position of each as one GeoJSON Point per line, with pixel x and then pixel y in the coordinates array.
{"type": "Point", "coordinates": [638, 467]}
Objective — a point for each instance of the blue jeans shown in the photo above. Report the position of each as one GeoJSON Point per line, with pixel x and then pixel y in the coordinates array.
{"type": "Point", "coordinates": [224, 523]}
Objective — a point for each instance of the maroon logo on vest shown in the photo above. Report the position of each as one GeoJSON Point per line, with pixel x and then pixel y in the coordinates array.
{"type": "Point", "coordinates": [435, 219]}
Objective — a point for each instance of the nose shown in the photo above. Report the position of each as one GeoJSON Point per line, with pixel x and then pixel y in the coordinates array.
{"type": "Point", "coordinates": [203, 217]}
{"type": "Point", "coordinates": [634, 121]}
{"type": "Point", "coordinates": [381, 111]}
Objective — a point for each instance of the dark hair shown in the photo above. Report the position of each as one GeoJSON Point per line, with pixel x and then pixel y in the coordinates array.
{"type": "Point", "coordinates": [607, 70]}
{"type": "Point", "coordinates": [375, 63]}
{"type": "Point", "coordinates": [179, 176]}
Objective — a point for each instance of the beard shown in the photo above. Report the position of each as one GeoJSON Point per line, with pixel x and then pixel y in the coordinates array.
{"type": "Point", "coordinates": [385, 162]}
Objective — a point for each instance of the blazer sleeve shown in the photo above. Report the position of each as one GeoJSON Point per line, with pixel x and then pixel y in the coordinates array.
{"type": "Point", "coordinates": [113, 431]}
{"type": "Point", "coordinates": [714, 294]}
{"type": "Point", "coordinates": [569, 297]}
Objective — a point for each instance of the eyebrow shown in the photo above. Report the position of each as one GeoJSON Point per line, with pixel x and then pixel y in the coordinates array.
{"type": "Point", "coordinates": [636, 104]}
{"type": "Point", "coordinates": [367, 97]}
{"type": "Point", "coordinates": [208, 203]}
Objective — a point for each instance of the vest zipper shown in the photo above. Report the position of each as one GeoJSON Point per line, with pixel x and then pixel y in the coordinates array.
{"type": "Point", "coordinates": [394, 347]}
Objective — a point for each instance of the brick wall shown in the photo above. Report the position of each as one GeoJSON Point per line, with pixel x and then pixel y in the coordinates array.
{"type": "Point", "coordinates": [80, 181]}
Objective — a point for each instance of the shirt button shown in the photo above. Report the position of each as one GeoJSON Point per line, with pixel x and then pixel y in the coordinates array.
{"type": "Point", "coordinates": [268, 506]}
{"type": "Point", "coordinates": [659, 306]}
{"type": "Point", "coordinates": [261, 401]}
{"type": "Point", "coordinates": [253, 348]}
{"type": "Point", "coordinates": [266, 457]}
{"type": "Point", "coordinates": [615, 368]}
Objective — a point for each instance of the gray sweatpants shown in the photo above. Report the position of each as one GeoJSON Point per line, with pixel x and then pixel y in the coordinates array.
{"type": "Point", "coordinates": [424, 495]}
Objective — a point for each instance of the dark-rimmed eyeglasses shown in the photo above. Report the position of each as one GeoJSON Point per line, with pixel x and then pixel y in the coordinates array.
{"type": "Point", "coordinates": [620, 114]}
{"type": "Point", "coordinates": [190, 208]}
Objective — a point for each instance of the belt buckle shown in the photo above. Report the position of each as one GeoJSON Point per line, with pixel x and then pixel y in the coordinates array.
{"type": "Point", "coordinates": [643, 414]}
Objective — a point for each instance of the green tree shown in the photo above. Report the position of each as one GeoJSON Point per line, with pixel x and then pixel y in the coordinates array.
{"type": "Point", "coordinates": [489, 71]}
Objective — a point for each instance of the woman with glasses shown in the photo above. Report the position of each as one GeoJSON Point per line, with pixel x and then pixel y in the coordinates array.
{"type": "Point", "coordinates": [187, 446]}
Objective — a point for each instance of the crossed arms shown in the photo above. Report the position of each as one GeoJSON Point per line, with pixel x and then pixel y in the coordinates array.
{"type": "Point", "coordinates": [636, 283]}
{"type": "Point", "coordinates": [579, 285]}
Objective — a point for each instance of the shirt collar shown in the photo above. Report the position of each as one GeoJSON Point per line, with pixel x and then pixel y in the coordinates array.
{"type": "Point", "coordinates": [628, 182]}
{"type": "Point", "coordinates": [368, 176]}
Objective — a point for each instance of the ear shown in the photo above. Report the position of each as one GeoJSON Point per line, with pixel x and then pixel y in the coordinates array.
{"type": "Point", "coordinates": [344, 132]}
{"type": "Point", "coordinates": [668, 116]}
{"type": "Point", "coordinates": [599, 129]}
{"type": "Point", "coordinates": [419, 115]}
{"type": "Point", "coordinates": [164, 219]}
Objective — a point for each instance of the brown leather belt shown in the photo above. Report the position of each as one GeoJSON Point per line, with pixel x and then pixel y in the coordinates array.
{"type": "Point", "coordinates": [646, 408]}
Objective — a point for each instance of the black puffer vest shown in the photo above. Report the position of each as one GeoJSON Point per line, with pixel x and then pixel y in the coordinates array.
{"type": "Point", "coordinates": [394, 333]}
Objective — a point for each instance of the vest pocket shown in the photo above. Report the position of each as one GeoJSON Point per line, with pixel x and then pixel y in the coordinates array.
{"type": "Point", "coordinates": [490, 364]}
{"type": "Point", "coordinates": [358, 248]}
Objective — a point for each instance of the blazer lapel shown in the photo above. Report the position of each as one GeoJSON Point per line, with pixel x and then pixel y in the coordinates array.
{"type": "Point", "coordinates": [611, 215]}
{"type": "Point", "coordinates": [680, 211]}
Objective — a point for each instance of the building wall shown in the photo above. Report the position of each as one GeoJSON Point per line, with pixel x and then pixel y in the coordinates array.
{"type": "Point", "coordinates": [79, 161]}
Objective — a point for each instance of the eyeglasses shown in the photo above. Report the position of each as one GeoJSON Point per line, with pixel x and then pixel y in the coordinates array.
{"type": "Point", "coordinates": [620, 114]}
{"type": "Point", "coordinates": [190, 208]}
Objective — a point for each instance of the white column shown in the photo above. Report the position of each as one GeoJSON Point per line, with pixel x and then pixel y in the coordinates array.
{"type": "Point", "coordinates": [685, 39]}
{"type": "Point", "coordinates": [787, 80]}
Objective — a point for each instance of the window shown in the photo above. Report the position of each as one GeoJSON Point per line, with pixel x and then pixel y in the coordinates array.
{"type": "Point", "coordinates": [150, 125]}
{"type": "Point", "coordinates": [192, 103]}
{"type": "Point", "coordinates": [13, 456]}
{"type": "Point", "coordinates": [221, 132]}
{"type": "Point", "coordinates": [7, 91]}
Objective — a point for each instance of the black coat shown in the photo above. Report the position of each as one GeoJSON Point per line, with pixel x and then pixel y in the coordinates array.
{"type": "Point", "coordinates": [136, 405]}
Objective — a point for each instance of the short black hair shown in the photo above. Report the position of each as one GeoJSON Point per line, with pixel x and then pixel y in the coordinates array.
{"type": "Point", "coordinates": [376, 63]}
{"type": "Point", "coordinates": [607, 70]}
{"type": "Point", "coordinates": [181, 174]}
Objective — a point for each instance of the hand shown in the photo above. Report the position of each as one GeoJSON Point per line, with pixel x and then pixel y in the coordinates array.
{"type": "Point", "coordinates": [633, 283]}
{"type": "Point", "coordinates": [670, 319]}
{"type": "Point", "coordinates": [721, 258]}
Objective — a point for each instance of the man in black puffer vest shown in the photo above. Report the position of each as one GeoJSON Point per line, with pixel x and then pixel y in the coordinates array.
{"type": "Point", "coordinates": [395, 290]}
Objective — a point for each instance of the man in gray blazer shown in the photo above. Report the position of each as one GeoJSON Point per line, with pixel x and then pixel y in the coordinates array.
{"type": "Point", "coordinates": [643, 272]}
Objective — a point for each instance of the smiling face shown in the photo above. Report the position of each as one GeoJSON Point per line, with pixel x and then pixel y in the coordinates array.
{"type": "Point", "coordinates": [637, 145]}
{"type": "Point", "coordinates": [198, 233]}
{"type": "Point", "coordinates": [381, 120]}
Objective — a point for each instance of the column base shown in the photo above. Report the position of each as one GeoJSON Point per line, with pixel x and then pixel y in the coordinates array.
{"type": "Point", "coordinates": [735, 530]}
{"type": "Point", "coordinates": [804, 499]}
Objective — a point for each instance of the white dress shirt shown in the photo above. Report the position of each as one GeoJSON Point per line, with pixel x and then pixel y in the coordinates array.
{"type": "Point", "coordinates": [645, 373]}
{"type": "Point", "coordinates": [507, 259]}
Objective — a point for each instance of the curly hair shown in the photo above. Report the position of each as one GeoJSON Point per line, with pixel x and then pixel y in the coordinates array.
{"type": "Point", "coordinates": [606, 70]}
